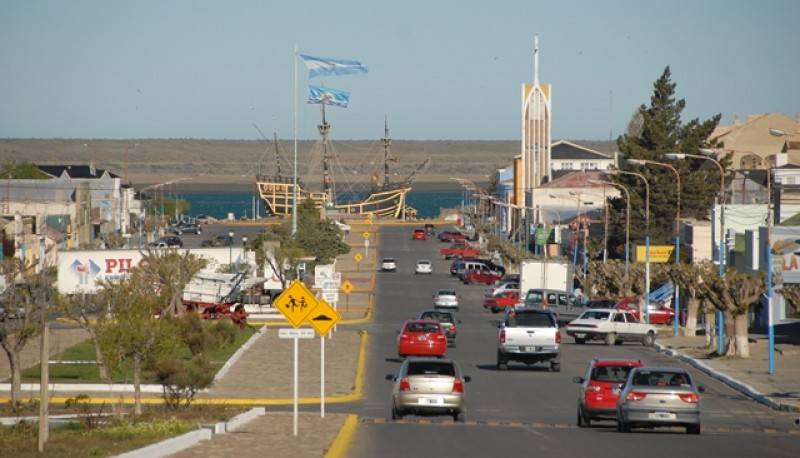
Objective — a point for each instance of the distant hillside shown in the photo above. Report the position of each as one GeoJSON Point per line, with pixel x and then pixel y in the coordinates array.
{"type": "Point", "coordinates": [236, 162]}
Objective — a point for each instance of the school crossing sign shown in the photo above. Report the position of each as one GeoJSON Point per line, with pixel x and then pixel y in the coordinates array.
{"type": "Point", "coordinates": [296, 303]}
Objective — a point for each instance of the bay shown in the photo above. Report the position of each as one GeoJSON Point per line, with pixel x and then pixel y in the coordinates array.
{"type": "Point", "coordinates": [246, 204]}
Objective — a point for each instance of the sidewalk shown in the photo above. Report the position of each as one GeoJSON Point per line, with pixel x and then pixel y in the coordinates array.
{"type": "Point", "coordinates": [750, 376]}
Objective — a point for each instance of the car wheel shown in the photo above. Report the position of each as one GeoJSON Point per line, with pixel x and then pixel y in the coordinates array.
{"type": "Point", "coordinates": [460, 417]}
{"type": "Point", "coordinates": [501, 363]}
{"type": "Point", "coordinates": [693, 429]}
{"type": "Point", "coordinates": [671, 321]}
{"type": "Point", "coordinates": [623, 427]}
{"type": "Point", "coordinates": [611, 338]}
{"type": "Point", "coordinates": [396, 415]}
{"type": "Point", "coordinates": [555, 366]}
{"type": "Point", "coordinates": [495, 310]}
{"type": "Point", "coordinates": [649, 340]}
{"type": "Point", "coordinates": [580, 341]}
{"type": "Point", "coordinates": [583, 421]}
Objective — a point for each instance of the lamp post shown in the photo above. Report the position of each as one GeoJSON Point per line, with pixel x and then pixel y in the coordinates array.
{"type": "Point", "coordinates": [230, 249]}
{"type": "Point", "coordinates": [627, 220]}
{"type": "Point", "coordinates": [127, 149]}
{"type": "Point", "coordinates": [677, 229]}
{"type": "Point", "coordinates": [722, 250]}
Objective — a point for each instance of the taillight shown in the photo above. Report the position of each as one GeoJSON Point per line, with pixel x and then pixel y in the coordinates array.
{"type": "Point", "coordinates": [558, 337]}
{"type": "Point", "coordinates": [452, 329]}
{"type": "Point", "coordinates": [689, 398]}
{"type": "Point", "coordinates": [440, 336]}
{"type": "Point", "coordinates": [404, 385]}
{"type": "Point", "coordinates": [503, 336]}
{"type": "Point", "coordinates": [636, 396]}
{"type": "Point", "coordinates": [458, 386]}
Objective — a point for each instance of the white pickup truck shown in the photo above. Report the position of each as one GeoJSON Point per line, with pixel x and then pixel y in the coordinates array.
{"type": "Point", "coordinates": [611, 326]}
{"type": "Point", "coordinates": [529, 335]}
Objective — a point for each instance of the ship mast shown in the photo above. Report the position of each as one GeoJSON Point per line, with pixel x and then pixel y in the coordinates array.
{"type": "Point", "coordinates": [327, 181]}
{"type": "Point", "coordinates": [385, 142]}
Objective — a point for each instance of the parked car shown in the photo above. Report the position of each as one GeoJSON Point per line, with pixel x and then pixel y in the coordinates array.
{"type": "Point", "coordinates": [388, 265]}
{"type": "Point", "coordinates": [611, 326]}
{"type": "Point", "coordinates": [423, 266]}
{"type": "Point", "coordinates": [597, 399]}
{"type": "Point", "coordinates": [166, 242]}
{"type": "Point", "coordinates": [604, 303]}
{"type": "Point", "coordinates": [430, 229]}
{"type": "Point", "coordinates": [220, 240]}
{"type": "Point", "coordinates": [502, 300]}
{"type": "Point", "coordinates": [185, 228]}
{"type": "Point", "coordinates": [422, 338]}
{"type": "Point", "coordinates": [481, 275]}
{"type": "Point", "coordinates": [657, 313]}
{"type": "Point", "coordinates": [448, 321]}
{"type": "Point", "coordinates": [428, 386]}
{"type": "Point", "coordinates": [455, 265]}
{"type": "Point", "coordinates": [659, 396]}
{"type": "Point", "coordinates": [501, 287]}
{"type": "Point", "coordinates": [446, 298]}
{"type": "Point", "coordinates": [419, 234]}
{"type": "Point", "coordinates": [451, 236]}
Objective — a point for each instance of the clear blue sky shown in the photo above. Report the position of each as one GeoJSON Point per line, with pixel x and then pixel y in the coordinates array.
{"type": "Point", "coordinates": [438, 70]}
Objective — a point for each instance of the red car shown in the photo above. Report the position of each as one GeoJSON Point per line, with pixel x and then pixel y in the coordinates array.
{"type": "Point", "coordinates": [596, 398]}
{"type": "Point", "coordinates": [481, 276]}
{"type": "Point", "coordinates": [658, 313]}
{"type": "Point", "coordinates": [422, 338]}
{"type": "Point", "coordinates": [501, 300]}
{"type": "Point", "coordinates": [451, 236]}
{"type": "Point", "coordinates": [419, 234]}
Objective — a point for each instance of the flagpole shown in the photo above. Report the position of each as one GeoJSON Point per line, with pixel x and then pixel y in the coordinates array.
{"type": "Point", "coordinates": [294, 180]}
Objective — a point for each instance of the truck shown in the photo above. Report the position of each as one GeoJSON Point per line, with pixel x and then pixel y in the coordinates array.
{"type": "Point", "coordinates": [529, 335]}
{"type": "Point", "coordinates": [462, 250]}
{"type": "Point", "coordinates": [545, 274]}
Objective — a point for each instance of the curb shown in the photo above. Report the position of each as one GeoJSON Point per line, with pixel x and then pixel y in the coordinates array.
{"type": "Point", "coordinates": [737, 385]}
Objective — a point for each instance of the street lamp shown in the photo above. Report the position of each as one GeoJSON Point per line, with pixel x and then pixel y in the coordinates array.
{"type": "Point", "coordinates": [677, 228]}
{"type": "Point", "coordinates": [230, 249]}
{"type": "Point", "coordinates": [646, 237]}
{"type": "Point", "coordinates": [627, 220]}
{"type": "Point", "coordinates": [721, 249]}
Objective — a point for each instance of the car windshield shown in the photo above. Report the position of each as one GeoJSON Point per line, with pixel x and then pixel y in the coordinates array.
{"type": "Point", "coordinates": [445, 292]}
{"type": "Point", "coordinates": [431, 368]}
{"type": "Point", "coordinates": [616, 374]}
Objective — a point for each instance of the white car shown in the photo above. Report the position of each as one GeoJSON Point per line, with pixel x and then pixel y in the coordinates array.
{"type": "Point", "coordinates": [612, 327]}
{"type": "Point", "coordinates": [388, 265]}
{"type": "Point", "coordinates": [500, 288]}
{"type": "Point", "coordinates": [446, 298]}
{"type": "Point", "coordinates": [423, 266]}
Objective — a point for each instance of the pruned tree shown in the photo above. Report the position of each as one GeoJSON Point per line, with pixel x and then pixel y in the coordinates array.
{"type": "Point", "coordinates": [609, 279]}
{"type": "Point", "coordinates": [26, 298]}
{"type": "Point", "coordinates": [688, 277]}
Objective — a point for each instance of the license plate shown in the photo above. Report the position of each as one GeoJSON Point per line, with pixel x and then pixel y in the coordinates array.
{"type": "Point", "coordinates": [422, 338]}
{"type": "Point", "coordinates": [531, 349]}
{"type": "Point", "coordinates": [435, 401]}
{"type": "Point", "coordinates": [662, 415]}
{"type": "Point", "coordinates": [580, 335]}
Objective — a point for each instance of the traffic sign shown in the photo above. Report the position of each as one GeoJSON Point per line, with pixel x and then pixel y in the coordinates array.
{"type": "Point", "coordinates": [366, 234]}
{"type": "Point", "coordinates": [331, 297]}
{"type": "Point", "coordinates": [296, 303]}
{"type": "Point", "coordinates": [324, 317]}
{"type": "Point", "coordinates": [346, 287]}
{"type": "Point", "coordinates": [289, 333]}
{"type": "Point", "coordinates": [358, 257]}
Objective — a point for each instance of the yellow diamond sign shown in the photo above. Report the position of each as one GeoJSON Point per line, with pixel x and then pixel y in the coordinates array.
{"type": "Point", "coordinates": [346, 287]}
{"type": "Point", "coordinates": [324, 317]}
{"type": "Point", "coordinates": [296, 303]}
{"type": "Point", "coordinates": [358, 257]}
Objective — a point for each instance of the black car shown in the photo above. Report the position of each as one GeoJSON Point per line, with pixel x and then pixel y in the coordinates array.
{"type": "Point", "coordinates": [430, 229]}
{"type": "Point", "coordinates": [169, 241]}
{"type": "Point", "coordinates": [220, 240]}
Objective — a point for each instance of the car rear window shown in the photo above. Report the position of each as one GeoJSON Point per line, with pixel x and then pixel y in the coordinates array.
{"type": "Point", "coordinates": [529, 320]}
{"type": "Point", "coordinates": [431, 368]}
{"type": "Point", "coordinates": [438, 316]}
{"type": "Point", "coordinates": [423, 327]}
{"type": "Point", "coordinates": [660, 378]}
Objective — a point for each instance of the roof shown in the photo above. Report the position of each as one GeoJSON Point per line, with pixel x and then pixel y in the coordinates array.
{"type": "Point", "coordinates": [564, 150]}
{"type": "Point", "coordinates": [75, 171]}
{"type": "Point", "coordinates": [574, 178]}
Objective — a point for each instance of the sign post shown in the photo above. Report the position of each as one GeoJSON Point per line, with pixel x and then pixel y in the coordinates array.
{"type": "Point", "coordinates": [323, 319]}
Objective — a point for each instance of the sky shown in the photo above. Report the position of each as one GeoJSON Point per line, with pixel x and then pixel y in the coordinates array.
{"type": "Point", "coordinates": [438, 69]}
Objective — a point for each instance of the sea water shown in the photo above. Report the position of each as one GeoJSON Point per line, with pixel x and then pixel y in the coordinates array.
{"type": "Point", "coordinates": [246, 205]}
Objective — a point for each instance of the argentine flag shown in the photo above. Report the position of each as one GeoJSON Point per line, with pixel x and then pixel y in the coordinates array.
{"type": "Point", "coordinates": [323, 66]}
{"type": "Point", "coordinates": [328, 96]}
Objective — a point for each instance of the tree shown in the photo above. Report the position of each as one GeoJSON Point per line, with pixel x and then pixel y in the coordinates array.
{"type": "Point", "coordinates": [171, 270]}
{"type": "Point", "coordinates": [688, 278]}
{"type": "Point", "coordinates": [25, 299]}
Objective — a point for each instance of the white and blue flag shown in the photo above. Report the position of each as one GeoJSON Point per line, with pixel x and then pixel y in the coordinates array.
{"type": "Point", "coordinates": [323, 66]}
{"type": "Point", "coordinates": [328, 96]}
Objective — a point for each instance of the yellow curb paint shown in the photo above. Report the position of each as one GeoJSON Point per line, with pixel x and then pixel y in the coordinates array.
{"type": "Point", "coordinates": [342, 442]}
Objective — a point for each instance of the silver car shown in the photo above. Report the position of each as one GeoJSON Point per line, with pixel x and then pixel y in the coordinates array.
{"type": "Point", "coordinates": [446, 298]}
{"type": "Point", "coordinates": [659, 396]}
{"type": "Point", "coordinates": [429, 386]}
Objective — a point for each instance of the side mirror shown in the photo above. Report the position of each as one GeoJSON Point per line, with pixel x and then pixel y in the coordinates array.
{"type": "Point", "coordinates": [467, 379]}
{"type": "Point", "coordinates": [701, 389]}
{"type": "Point", "coordinates": [577, 379]}
{"type": "Point", "coordinates": [390, 377]}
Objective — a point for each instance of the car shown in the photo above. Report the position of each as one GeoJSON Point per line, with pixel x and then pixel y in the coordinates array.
{"type": "Point", "coordinates": [220, 240]}
{"type": "Point", "coordinates": [430, 229]}
{"type": "Point", "coordinates": [428, 386]}
{"type": "Point", "coordinates": [602, 303]}
{"type": "Point", "coordinates": [203, 219]}
{"type": "Point", "coordinates": [421, 338]}
{"type": "Point", "coordinates": [451, 236]}
{"type": "Point", "coordinates": [658, 314]}
{"type": "Point", "coordinates": [491, 265]}
{"type": "Point", "coordinates": [500, 287]}
{"type": "Point", "coordinates": [419, 234]}
{"type": "Point", "coordinates": [659, 396]}
{"type": "Point", "coordinates": [423, 266]}
{"type": "Point", "coordinates": [529, 336]}
{"type": "Point", "coordinates": [455, 265]}
{"type": "Point", "coordinates": [447, 319]}
{"type": "Point", "coordinates": [481, 275]}
{"type": "Point", "coordinates": [185, 228]}
{"type": "Point", "coordinates": [597, 399]}
{"type": "Point", "coordinates": [611, 326]}
{"type": "Point", "coordinates": [446, 298]}
{"type": "Point", "coordinates": [502, 300]}
{"type": "Point", "coordinates": [388, 265]}
{"type": "Point", "coordinates": [166, 242]}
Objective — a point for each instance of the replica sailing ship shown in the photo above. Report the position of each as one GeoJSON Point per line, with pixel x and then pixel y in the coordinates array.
{"type": "Point", "coordinates": [382, 198]}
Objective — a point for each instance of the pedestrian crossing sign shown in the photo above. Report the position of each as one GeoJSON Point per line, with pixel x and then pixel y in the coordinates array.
{"type": "Point", "coordinates": [296, 303]}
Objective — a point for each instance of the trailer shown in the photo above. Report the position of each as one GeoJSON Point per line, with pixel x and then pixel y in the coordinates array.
{"type": "Point", "coordinates": [539, 274]}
